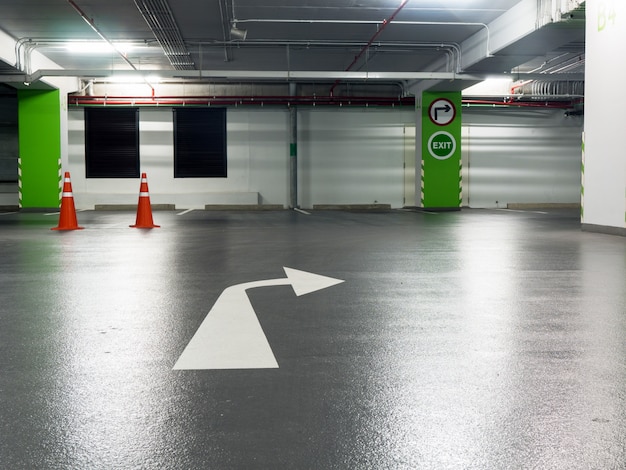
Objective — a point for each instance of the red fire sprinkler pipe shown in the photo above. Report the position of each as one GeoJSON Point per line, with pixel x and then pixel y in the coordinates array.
{"type": "Point", "coordinates": [369, 43]}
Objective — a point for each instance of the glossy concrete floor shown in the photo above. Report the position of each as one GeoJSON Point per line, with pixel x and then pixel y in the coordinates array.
{"type": "Point", "coordinates": [466, 340]}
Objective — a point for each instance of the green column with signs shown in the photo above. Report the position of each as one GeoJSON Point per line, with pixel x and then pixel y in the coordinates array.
{"type": "Point", "coordinates": [441, 150]}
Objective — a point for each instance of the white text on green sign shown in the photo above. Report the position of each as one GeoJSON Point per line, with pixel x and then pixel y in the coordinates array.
{"type": "Point", "coordinates": [441, 145]}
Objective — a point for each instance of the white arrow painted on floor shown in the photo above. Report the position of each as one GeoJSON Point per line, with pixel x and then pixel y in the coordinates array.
{"type": "Point", "coordinates": [231, 337]}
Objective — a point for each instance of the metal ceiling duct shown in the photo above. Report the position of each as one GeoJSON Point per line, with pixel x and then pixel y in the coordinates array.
{"type": "Point", "coordinates": [159, 17]}
{"type": "Point", "coordinates": [542, 88]}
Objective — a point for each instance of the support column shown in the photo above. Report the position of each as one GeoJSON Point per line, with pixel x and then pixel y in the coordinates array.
{"type": "Point", "coordinates": [604, 169]}
{"type": "Point", "coordinates": [39, 124]}
{"type": "Point", "coordinates": [293, 151]}
{"type": "Point", "coordinates": [440, 150]}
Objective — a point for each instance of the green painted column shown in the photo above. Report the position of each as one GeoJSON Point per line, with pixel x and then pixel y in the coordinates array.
{"type": "Point", "coordinates": [39, 122]}
{"type": "Point", "coordinates": [441, 150]}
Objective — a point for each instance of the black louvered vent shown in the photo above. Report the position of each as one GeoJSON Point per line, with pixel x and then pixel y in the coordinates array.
{"type": "Point", "coordinates": [112, 142]}
{"type": "Point", "coordinates": [199, 143]}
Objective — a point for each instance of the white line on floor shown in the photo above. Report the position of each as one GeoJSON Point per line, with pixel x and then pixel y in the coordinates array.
{"type": "Point", "coordinates": [184, 212]}
{"type": "Point", "coordinates": [301, 211]}
{"type": "Point", "coordinates": [515, 210]}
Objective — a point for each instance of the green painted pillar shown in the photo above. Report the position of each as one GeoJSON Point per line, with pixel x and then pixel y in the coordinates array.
{"type": "Point", "coordinates": [441, 150]}
{"type": "Point", "coordinates": [39, 123]}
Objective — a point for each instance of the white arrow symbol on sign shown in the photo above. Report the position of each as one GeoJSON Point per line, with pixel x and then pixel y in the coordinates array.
{"type": "Point", "coordinates": [231, 337]}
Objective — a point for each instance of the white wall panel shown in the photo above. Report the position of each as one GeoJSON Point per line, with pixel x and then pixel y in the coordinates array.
{"type": "Point", "coordinates": [520, 156]}
{"type": "Point", "coordinates": [267, 142]}
{"type": "Point", "coordinates": [257, 163]}
{"type": "Point", "coordinates": [346, 156]}
{"type": "Point", "coordinates": [352, 156]}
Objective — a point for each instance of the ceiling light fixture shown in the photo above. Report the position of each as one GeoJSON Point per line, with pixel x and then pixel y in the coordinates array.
{"type": "Point", "coordinates": [135, 78]}
{"type": "Point", "coordinates": [238, 34]}
{"type": "Point", "coordinates": [93, 47]}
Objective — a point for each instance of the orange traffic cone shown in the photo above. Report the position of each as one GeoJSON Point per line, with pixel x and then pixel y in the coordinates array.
{"type": "Point", "coordinates": [67, 219]}
{"type": "Point", "coordinates": [144, 211]}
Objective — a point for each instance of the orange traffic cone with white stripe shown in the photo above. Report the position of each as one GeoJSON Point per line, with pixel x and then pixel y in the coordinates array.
{"type": "Point", "coordinates": [67, 219]}
{"type": "Point", "coordinates": [144, 211]}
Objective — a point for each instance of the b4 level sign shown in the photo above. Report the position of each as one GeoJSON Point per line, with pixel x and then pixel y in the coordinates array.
{"type": "Point", "coordinates": [441, 152]}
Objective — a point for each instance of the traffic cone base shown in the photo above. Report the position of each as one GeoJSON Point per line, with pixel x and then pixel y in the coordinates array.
{"type": "Point", "coordinates": [67, 218]}
{"type": "Point", "coordinates": [144, 211]}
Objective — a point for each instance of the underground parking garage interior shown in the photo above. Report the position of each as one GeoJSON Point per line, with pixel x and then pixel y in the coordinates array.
{"type": "Point", "coordinates": [385, 234]}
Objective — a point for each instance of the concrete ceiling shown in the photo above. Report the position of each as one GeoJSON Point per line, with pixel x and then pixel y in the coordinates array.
{"type": "Point", "coordinates": [325, 36]}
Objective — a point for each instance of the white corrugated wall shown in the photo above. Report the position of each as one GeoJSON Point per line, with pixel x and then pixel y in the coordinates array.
{"type": "Point", "coordinates": [349, 156]}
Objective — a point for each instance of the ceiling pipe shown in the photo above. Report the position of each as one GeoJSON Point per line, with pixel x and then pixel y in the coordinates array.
{"type": "Point", "coordinates": [287, 100]}
{"type": "Point", "coordinates": [545, 103]}
{"type": "Point", "coordinates": [551, 88]}
{"type": "Point", "coordinates": [383, 25]}
{"type": "Point", "coordinates": [278, 75]}
{"type": "Point", "coordinates": [224, 22]}
{"type": "Point", "coordinates": [376, 22]}
{"type": "Point", "coordinates": [18, 53]}
{"type": "Point", "coordinates": [369, 43]}
{"type": "Point", "coordinates": [25, 46]}
{"type": "Point", "coordinates": [321, 43]}
{"type": "Point", "coordinates": [452, 49]}
{"type": "Point", "coordinates": [337, 101]}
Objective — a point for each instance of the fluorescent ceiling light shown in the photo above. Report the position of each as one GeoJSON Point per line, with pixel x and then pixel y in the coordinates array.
{"type": "Point", "coordinates": [490, 86]}
{"type": "Point", "coordinates": [99, 47]}
{"type": "Point", "coordinates": [133, 79]}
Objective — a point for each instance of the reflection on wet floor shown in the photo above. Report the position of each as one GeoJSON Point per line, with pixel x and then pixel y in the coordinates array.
{"type": "Point", "coordinates": [473, 339]}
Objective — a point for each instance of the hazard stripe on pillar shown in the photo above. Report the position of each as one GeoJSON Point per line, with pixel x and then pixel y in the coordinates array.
{"type": "Point", "coordinates": [60, 181]}
{"type": "Point", "coordinates": [422, 185]}
{"type": "Point", "coordinates": [582, 182]}
{"type": "Point", "coordinates": [19, 181]}
{"type": "Point", "coordinates": [460, 183]}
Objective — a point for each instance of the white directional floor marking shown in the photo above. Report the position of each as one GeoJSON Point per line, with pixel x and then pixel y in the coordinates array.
{"type": "Point", "coordinates": [231, 337]}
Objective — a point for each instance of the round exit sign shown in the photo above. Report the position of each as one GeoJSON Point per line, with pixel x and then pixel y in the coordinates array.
{"type": "Point", "coordinates": [441, 145]}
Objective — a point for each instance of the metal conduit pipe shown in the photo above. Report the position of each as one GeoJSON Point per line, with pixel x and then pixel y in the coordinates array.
{"type": "Point", "coordinates": [25, 46]}
{"type": "Point", "coordinates": [399, 22]}
{"type": "Point", "coordinates": [551, 88]}
{"type": "Point", "coordinates": [18, 55]}
{"type": "Point", "coordinates": [544, 104]}
{"type": "Point", "coordinates": [28, 50]}
{"type": "Point", "coordinates": [23, 49]}
{"type": "Point", "coordinates": [224, 21]}
{"type": "Point", "coordinates": [451, 48]}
